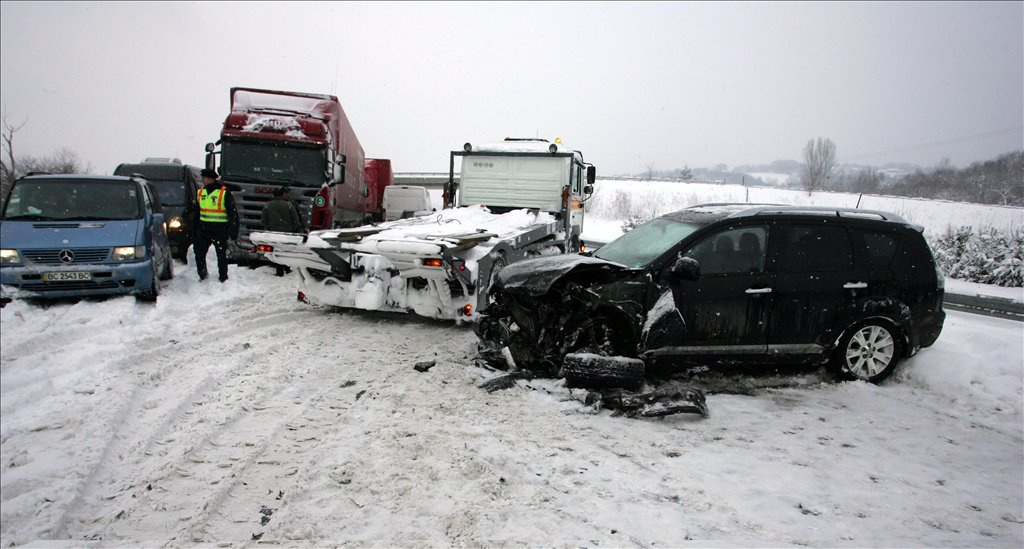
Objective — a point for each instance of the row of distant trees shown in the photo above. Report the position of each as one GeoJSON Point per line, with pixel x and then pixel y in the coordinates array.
{"type": "Point", "coordinates": [13, 166]}
{"type": "Point", "coordinates": [998, 181]}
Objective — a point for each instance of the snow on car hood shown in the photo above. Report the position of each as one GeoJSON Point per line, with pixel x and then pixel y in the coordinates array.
{"type": "Point", "coordinates": [537, 276]}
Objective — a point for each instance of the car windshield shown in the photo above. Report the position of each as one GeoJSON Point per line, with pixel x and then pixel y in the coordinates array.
{"type": "Point", "coordinates": [637, 248]}
{"type": "Point", "coordinates": [78, 199]}
{"type": "Point", "coordinates": [172, 193]}
{"type": "Point", "coordinates": [271, 162]}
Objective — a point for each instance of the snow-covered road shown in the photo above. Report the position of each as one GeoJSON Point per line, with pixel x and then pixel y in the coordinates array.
{"type": "Point", "coordinates": [231, 413]}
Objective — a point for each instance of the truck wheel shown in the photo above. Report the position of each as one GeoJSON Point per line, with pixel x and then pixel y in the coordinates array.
{"type": "Point", "coordinates": [599, 372]}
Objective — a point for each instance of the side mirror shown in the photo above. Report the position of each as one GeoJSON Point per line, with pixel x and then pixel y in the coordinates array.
{"type": "Point", "coordinates": [685, 268]}
{"type": "Point", "coordinates": [341, 160]}
{"type": "Point", "coordinates": [210, 147]}
{"type": "Point", "coordinates": [591, 175]}
{"type": "Point", "coordinates": [588, 189]}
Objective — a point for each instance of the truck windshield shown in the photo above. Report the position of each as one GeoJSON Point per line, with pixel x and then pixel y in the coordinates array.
{"type": "Point", "coordinates": [273, 162]}
{"type": "Point", "coordinates": [639, 247]}
{"type": "Point", "coordinates": [65, 200]}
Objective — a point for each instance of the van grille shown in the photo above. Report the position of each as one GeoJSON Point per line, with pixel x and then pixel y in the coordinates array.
{"type": "Point", "coordinates": [74, 285]}
{"type": "Point", "coordinates": [82, 255]}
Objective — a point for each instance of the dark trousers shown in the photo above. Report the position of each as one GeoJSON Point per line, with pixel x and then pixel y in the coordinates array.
{"type": "Point", "coordinates": [201, 245]}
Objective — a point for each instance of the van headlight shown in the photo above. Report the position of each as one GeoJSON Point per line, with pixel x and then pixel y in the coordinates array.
{"type": "Point", "coordinates": [9, 257]}
{"type": "Point", "coordinates": [128, 253]}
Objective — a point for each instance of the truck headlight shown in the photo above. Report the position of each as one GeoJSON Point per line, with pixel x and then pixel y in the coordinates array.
{"type": "Point", "coordinates": [128, 253]}
{"type": "Point", "coordinates": [174, 224]}
{"type": "Point", "coordinates": [9, 257]}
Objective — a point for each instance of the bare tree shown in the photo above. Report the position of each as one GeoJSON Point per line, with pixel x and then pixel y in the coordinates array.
{"type": "Point", "coordinates": [819, 161]}
{"type": "Point", "coordinates": [8, 167]}
{"type": "Point", "coordinates": [63, 161]}
{"type": "Point", "coordinates": [648, 171]}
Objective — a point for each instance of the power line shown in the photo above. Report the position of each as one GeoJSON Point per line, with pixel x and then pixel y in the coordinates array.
{"type": "Point", "coordinates": [1018, 129]}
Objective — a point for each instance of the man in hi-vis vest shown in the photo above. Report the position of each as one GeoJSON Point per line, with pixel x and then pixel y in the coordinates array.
{"type": "Point", "coordinates": [215, 221]}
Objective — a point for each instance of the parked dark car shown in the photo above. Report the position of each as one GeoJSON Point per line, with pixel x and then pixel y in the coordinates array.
{"type": "Point", "coordinates": [178, 185]}
{"type": "Point", "coordinates": [726, 284]}
{"type": "Point", "coordinates": [82, 235]}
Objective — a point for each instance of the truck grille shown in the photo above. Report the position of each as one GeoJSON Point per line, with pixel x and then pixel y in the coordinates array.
{"type": "Point", "coordinates": [81, 255]}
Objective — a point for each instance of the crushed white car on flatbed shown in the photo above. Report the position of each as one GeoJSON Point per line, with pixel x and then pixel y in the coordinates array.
{"type": "Point", "coordinates": [514, 200]}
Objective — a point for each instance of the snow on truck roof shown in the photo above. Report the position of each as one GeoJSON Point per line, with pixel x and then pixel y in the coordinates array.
{"type": "Point", "coordinates": [521, 146]}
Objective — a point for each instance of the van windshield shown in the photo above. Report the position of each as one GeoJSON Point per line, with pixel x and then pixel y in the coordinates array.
{"type": "Point", "coordinates": [73, 200]}
{"type": "Point", "coordinates": [172, 193]}
{"type": "Point", "coordinates": [639, 247]}
{"type": "Point", "coordinates": [273, 163]}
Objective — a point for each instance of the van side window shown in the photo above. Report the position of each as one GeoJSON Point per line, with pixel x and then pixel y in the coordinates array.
{"type": "Point", "coordinates": [739, 250]}
{"type": "Point", "coordinates": [881, 248]}
{"type": "Point", "coordinates": [816, 248]}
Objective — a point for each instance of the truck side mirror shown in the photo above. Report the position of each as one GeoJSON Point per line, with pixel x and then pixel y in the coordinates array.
{"type": "Point", "coordinates": [591, 175]}
{"type": "Point", "coordinates": [210, 147]}
{"type": "Point", "coordinates": [342, 159]}
{"type": "Point", "coordinates": [588, 189]}
{"type": "Point", "coordinates": [338, 176]}
{"type": "Point", "coordinates": [685, 268]}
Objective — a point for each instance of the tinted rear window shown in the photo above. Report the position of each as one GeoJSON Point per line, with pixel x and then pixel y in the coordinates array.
{"type": "Point", "coordinates": [817, 248]}
{"type": "Point", "coordinates": [881, 248]}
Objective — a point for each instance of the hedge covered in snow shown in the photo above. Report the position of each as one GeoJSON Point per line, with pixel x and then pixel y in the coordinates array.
{"type": "Point", "coordinates": [986, 256]}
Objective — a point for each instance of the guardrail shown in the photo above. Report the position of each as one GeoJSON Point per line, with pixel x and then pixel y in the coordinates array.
{"type": "Point", "coordinates": [983, 304]}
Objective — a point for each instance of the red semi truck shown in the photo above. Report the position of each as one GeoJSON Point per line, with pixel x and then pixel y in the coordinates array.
{"type": "Point", "coordinates": [304, 141]}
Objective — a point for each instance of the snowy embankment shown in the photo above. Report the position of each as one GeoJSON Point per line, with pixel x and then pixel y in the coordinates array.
{"type": "Point", "coordinates": [625, 199]}
{"type": "Point", "coordinates": [230, 413]}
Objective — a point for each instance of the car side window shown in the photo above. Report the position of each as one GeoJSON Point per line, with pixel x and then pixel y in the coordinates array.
{"type": "Point", "coordinates": [881, 248]}
{"type": "Point", "coordinates": [816, 248]}
{"type": "Point", "coordinates": [147, 199]}
{"type": "Point", "coordinates": [736, 250]}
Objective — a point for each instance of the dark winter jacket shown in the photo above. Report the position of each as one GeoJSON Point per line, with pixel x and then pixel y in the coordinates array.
{"type": "Point", "coordinates": [279, 215]}
{"type": "Point", "coordinates": [218, 231]}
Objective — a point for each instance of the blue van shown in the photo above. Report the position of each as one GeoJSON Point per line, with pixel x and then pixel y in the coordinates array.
{"type": "Point", "coordinates": [82, 235]}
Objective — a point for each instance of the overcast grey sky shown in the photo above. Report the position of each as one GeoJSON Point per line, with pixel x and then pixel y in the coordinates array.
{"type": "Point", "coordinates": [629, 84]}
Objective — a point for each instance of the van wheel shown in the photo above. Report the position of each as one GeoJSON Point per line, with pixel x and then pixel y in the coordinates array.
{"type": "Point", "coordinates": [868, 352]}
{"type": "Point", "coordinates": [150, 295]}
{"type": "Point", "coordinates": [168, 272]}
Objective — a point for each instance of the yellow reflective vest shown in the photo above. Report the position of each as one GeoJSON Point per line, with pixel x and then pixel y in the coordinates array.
{"type": "Point", "coordinates": [211, 206]}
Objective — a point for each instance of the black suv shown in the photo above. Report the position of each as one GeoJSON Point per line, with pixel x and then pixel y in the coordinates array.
{"type": "Point", "coordinates": [725, 284]}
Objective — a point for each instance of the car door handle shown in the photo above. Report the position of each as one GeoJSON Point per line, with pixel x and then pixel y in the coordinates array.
{"type": "Point", "coordinates": [855, 285]}
{"type": "Point", "coordinates": [758, 291]}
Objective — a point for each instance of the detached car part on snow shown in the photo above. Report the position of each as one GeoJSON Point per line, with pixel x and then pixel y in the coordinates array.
{"type": "Point", "coordinates": [724, 284]}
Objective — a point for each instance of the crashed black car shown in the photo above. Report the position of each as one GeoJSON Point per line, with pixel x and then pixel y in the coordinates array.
{"type": "Point", "coordinates": [724, 284]}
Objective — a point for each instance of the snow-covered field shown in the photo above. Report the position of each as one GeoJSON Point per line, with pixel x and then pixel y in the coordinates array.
{"type": "Point", "coordinates": [615, 200]}
{"type": "Point", "coordinates": [230, 413]}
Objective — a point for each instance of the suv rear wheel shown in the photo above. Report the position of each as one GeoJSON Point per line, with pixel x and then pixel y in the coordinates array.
{"type": "Point", "coordinates": [869, 351]}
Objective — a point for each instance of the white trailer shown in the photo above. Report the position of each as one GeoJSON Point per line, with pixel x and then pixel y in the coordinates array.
{"type": "Point", "coordinates": [515, 199]}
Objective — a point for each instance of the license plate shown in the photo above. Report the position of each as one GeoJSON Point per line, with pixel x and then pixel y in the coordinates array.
{"type": "Point", "coordinates": [63, 276]}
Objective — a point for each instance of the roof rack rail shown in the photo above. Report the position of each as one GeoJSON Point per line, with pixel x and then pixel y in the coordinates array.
{"type": "Point", "coordinates": [837, 212]}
